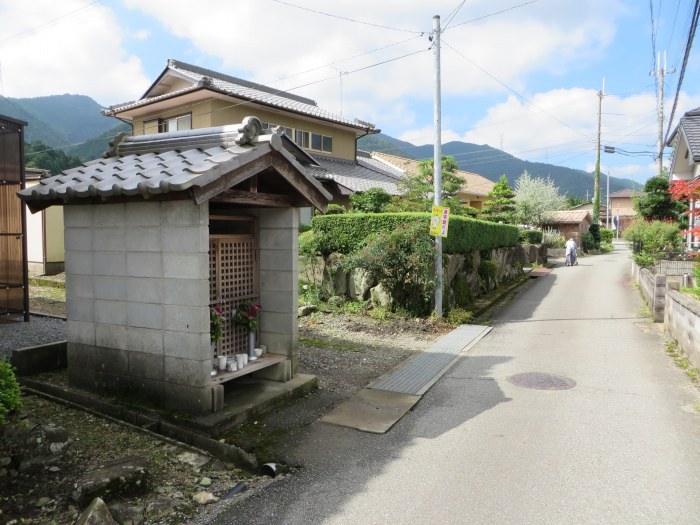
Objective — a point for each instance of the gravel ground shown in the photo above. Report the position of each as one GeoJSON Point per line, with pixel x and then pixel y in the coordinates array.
{"type": "Point", "coordinates": [15, 333]}
{"type": "Point", "coordinates": [345, 352]}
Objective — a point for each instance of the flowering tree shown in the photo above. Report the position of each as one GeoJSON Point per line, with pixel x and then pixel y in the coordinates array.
{"type": "Point", "coordinates": [535, 198]}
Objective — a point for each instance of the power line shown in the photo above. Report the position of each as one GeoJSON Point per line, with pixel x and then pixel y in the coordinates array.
{"type": "Point", "coordinates": [346, 18]}
{"type": "Point", "coordinates": [513, 91]}
{"type": "Point", "coordinates": [689, 43]}
{"type": "Point", "coordinates": [495, 13]}
{"type": "Point", "coordinates": [452, 15]}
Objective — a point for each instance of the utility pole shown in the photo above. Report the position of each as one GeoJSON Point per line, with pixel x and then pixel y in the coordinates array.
{"type": "Point", "coordinates": [660, 73]}
{"type": "Point", "coordinates": [437, 164]}
{"type": "Point", "coordinates": [607, 202]}
{"type": "Point", "coordinates": [596, 179]}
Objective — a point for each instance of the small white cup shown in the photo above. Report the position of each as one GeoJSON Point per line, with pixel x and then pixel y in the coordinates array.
{"type": "Point", "coordinates": [222, 362]}
{"type": "Point", "coordinates": [231, 365]}
{"type": "Point", "coordinates": [258, 352]}
{"type": "Point", "coordinates": [239, 360]}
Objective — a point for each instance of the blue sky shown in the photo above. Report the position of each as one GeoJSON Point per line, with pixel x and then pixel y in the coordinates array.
{"type": "Point", "coordinates": [520, 75]}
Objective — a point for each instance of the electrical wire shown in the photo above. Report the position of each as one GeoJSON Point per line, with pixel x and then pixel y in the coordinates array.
{"type": "Point", "coordinates": [452, 15]}
{"type": "Point", "coordinates": [346, 18]}
{"type": "Point", "coordinates": [495, 13]}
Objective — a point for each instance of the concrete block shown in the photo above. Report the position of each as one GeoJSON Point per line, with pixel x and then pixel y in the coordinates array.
{"type": "Point", "coordinates": [144, 290]}
{"type": "Point", "coordinates": [145, 340]}
{"type": "Point", "coordinates": [144, 315]}
{"type": "Point", "coordinates": [79, 216]}
{"type": "Point", "coordinates": [281, 372]}
{"type": "Point", "coordinates": [38, 359]}
{"type": "Point", "coordinates": [217, 398]}
{"type": "Point", "coordinates": [108, 215]}
{"type": "Point", "coordinates": [186, 292]}
{"type": "Point", "coordinates": [279, 302]}
{"type": "Point", "coordinates": [279, 218]}
{"type": "Point", "coordinates": [282, 344]}
{"type": "Point", "coordinates": [77, 239]}
{"type": "Point", "coordinates": [80, 356]}
{"type": "Point", "coordinates": [144, 264]}
{"type": "Point", "coordinates": [111, 312]}
{"type": "Point", "coordinates": [277, 238]}
{"type": "Point", "coordinates": [279, 260]}
{"type": "Point", "coordinates": [78, 309]}
{"type": "Point", "coordinates": [280, 281]}
{"type": "Point", "coordinates": [143, 239]}
{"type": "Point", "coordinates": [78, 263]}
{"type": "Point", "coordinates": [112, 360]}
{"type": "Point", "coordinates": [183, 213]}
{"type": "Point", "coordinates": [187, 372]}
{"type": "Point", "coordinates": [79, 286]}
{"type": "Point", "coordinates": [110, 288]}
{"type": "Point", "coordinates": [187, 345]}
{"type": "Point", "coordinates": [143, 213]}
{"type": "Point", "coordinates": [111, 239]}
{"type": "Point", "coordinates": [196, 400]}
{"type": "Point", "coordinates": [185, 239]}
{"type": "Point", "coordinates": [186, 318]}
{"type": "Point", "coordinates": [279, 323]}
{"type": "Point", "coordinates": [146, 366]}
{"type": "Point", "coordinates": [109, 263]}
{"type": "Point", "coordinates": [111, 336]}
{"type": "Point", "coordinates": [186, 266]}
{"type": "Point", "coordinates": [80, 332]}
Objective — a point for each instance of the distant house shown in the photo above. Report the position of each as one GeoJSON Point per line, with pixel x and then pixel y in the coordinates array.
{"type": "Point", "coordinates": [570, 223]}
{"type": "Point", "coordinates": [473, 193]}
{"type": "Point", "coordinates": [45, 252]}
{"type": "Point", "coordinates": [685, 163]}
{"type": "Point", "coordinates": [621, 212]}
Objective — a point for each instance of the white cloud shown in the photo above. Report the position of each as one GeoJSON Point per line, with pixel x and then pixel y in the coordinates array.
{"type": "Point", "coordinates": [63, 47]}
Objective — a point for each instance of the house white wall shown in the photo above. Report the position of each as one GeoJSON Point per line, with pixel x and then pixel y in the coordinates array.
{"type": "Point", "coordinates": [137, 285]}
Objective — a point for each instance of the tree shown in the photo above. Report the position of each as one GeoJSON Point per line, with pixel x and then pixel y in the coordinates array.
{"type": "Point", "coordinates": [687, 192]}
{"type": "Point", "coordinates": [502, 207]}
{"type": "Point", "coordinates": [572, 201]}
{"type": "Point", "coordinates": [535, 198]}
{"type": "Point", "coordinates": [374, 200]}
{"type": "Point", "coordinates": [657, 204]}
{"type": "Point", "coordinates": [417, 190]}
{"type": "Point", "coordinates": [39, 155]}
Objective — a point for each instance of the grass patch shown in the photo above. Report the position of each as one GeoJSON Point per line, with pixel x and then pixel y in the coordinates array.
{"type": "Point", "coordinates": [333, 345]}
{"type": "Point", "coordinates": [681, 361]}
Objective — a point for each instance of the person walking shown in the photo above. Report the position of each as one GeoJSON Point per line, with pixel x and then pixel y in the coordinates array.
{"type": "Point", "coordinates": [571, 252]}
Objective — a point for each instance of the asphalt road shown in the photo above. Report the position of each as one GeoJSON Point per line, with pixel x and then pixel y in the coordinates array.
{"type": "Point", "coordinates": [621, 446]}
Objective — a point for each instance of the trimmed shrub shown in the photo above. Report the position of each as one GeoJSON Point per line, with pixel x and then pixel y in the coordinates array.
{"type": "Point", "coordinates": [530, 236]}
{"type": "Point", "coordinates": [9, 390]}
{"type": "Point", "coordinates": [374, 200]}
{"type": "Point", "coordinates": [594, 230]}
{"type": "Point", "coordinates": [606, 236]}
{"type": "Point", "coordinates": [334, 209]}
{"type": "Point", "coordinates": [403, 261]}
{"type": "Point", "coordinates": [588, 242]}
{"type": "Point", "coordinates": [653, 237]}
{"type": "Point", "coordinates": [348, 233]}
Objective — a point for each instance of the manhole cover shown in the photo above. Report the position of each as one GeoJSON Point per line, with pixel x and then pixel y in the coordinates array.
{"type": "Point", "coordinates": [541, 381]}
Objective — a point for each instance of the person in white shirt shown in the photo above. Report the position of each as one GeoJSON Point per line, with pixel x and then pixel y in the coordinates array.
{"type": "Point", "coordinates": [571, 252]}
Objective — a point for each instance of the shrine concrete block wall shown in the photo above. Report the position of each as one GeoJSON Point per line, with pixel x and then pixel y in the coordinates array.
{"type": "Point", "coordinates": [137, 285]}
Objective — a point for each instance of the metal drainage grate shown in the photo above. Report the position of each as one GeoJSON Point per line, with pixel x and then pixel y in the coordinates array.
{"type": "Point", "coordinates": [541, 381]}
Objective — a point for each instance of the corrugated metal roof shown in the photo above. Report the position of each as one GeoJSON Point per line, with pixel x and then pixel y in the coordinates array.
{"type": "Point", "coordinates": [167, 162]}
{"type": "Point", "coordinates": [236, 87]}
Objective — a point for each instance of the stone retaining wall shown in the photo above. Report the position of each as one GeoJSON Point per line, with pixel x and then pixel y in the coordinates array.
{"type": "Point", "coordinates": [682, 319]}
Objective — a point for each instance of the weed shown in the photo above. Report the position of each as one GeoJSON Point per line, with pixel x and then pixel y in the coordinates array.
{"type": "Point", "coordinates": [325, 343]}
{"type": "Point", "coordinates": [681, 361]}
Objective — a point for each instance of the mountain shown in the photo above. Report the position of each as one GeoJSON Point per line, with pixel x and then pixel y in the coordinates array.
{"type": "Point", "coordinates": [73, 123]}
{"type": "Point", "coordinates": [492, 163]}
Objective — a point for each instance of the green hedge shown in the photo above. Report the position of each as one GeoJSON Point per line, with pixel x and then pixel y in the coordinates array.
{"type": "Point", "coordinates": [348, 232]}
{"type": "Point", "coordinates": [530, 236]}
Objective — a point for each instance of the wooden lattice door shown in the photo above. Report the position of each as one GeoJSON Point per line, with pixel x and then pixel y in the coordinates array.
{"type": "Point", "coordinates": [233, 279]}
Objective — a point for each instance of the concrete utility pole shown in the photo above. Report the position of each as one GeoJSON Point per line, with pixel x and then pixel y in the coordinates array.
{"type": "Point", "coordinates": [596, 179]}
{"type": "Point", "coordinates": [660, 72]}
{"type": "Point", "coordinates": [437, 165]}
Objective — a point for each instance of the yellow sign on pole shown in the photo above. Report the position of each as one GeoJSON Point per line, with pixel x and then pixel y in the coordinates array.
{"type": "Point", "coordinates": [439, 221]}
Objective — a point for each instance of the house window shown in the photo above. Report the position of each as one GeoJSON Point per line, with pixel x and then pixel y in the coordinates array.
{"type": "Point", "coordinates": [301, 138]}
{"type": "Point", "coordinates": [179, 123]}
{"type": "Point", "coordinates": [321, 143]}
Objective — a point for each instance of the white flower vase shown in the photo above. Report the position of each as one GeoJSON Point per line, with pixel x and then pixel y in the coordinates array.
{"type": "Point", "coordinates": [213, 358]}
{"type": "Point", "coordinates": [251, 346]}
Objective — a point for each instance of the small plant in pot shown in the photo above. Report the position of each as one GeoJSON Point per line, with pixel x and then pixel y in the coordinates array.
{"type": "Point", "coordinates": [246, 317]}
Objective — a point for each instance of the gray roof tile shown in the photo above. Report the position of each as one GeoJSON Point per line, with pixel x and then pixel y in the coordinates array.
{"type": "Point", "coordinates": [357, 176]}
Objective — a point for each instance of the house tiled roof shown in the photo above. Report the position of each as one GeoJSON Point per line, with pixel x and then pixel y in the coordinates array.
{"type": "Point", "coordinates": [626, 194]}
{"type": "Point", "coordinates": [689, 127]}
{"type": "Point", "coordinates": [202, 78]}
{"type": "Point", "coordinates": [473, 183]}
{"type": "Point", "coordinates": [149, 165]}
{"type": "Point", "coordinates": [357, 176]}
{"type": "Point", "coordinates": [569, 216]}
